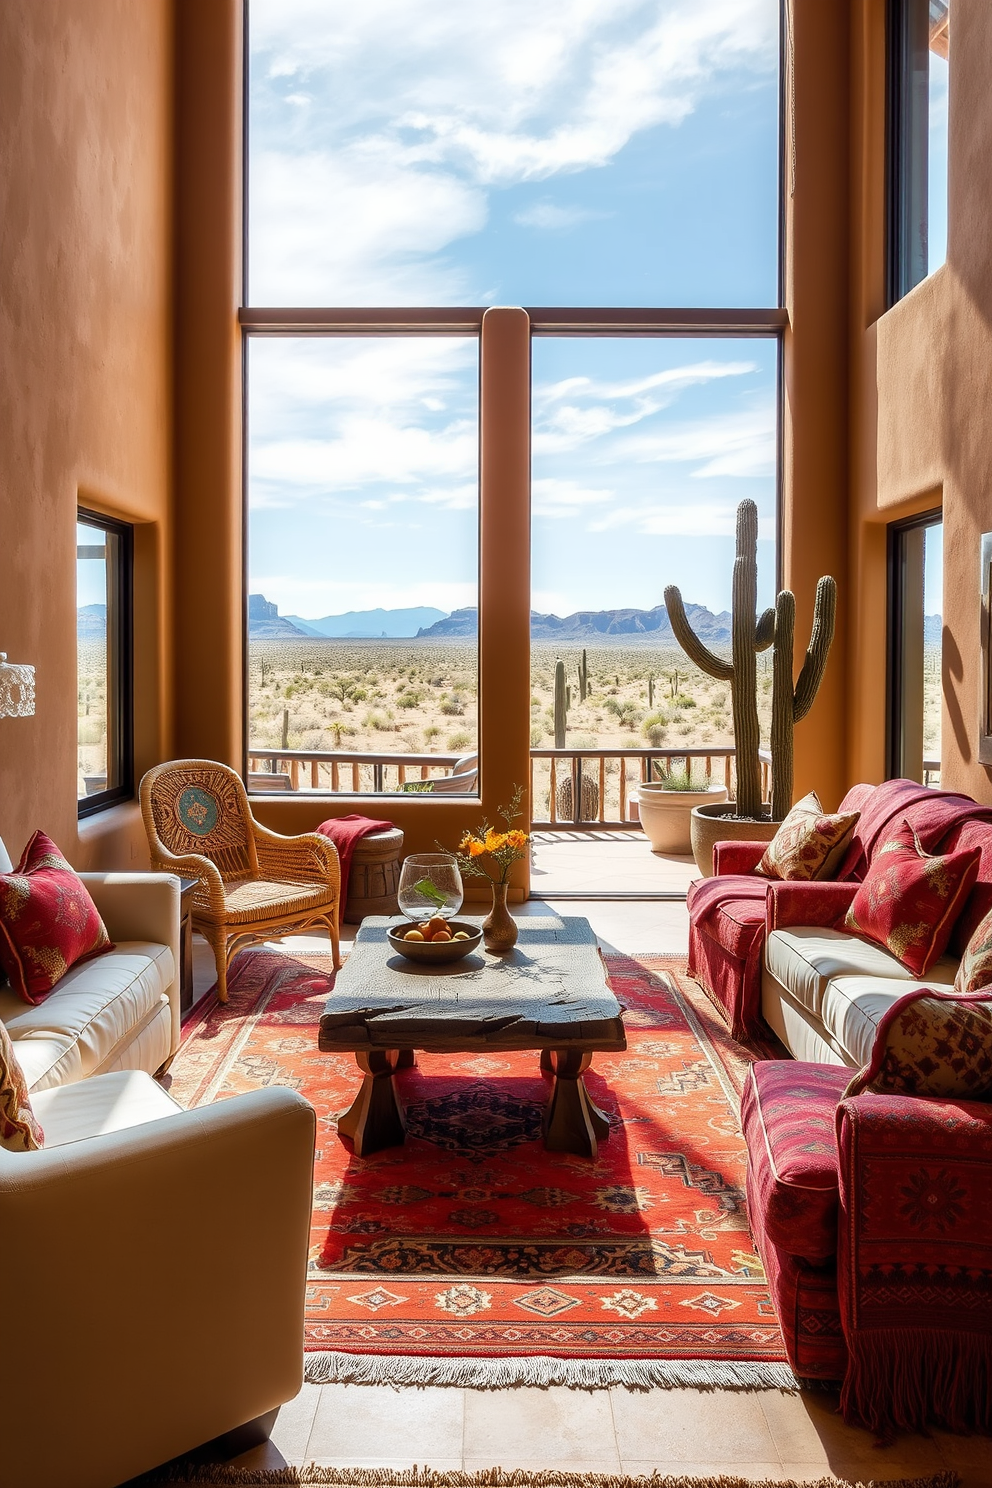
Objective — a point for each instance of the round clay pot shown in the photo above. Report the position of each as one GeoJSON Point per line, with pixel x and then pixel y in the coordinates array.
{"type": "Point", "coordinates": [665, 814]}
{"type": "Point", "coordinates": [712, 824]}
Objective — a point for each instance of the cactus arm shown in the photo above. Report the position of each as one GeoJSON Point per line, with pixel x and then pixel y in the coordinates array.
{"type": "Point", "coordinates": [693, 647]}
{"type": "Point", "coordinates": [820, 641]}
{"type": "Point", "coordinates": [764, 631]}
{"type": "Point", "coordinates": [561, 704]}
{"type": "Point", "coordinates": [782, 705]}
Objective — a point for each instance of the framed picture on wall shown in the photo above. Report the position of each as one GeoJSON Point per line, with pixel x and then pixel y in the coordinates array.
{"type": "Point", "coordinates": [985, 721]}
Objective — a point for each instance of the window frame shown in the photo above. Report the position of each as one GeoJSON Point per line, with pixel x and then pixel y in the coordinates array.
{"type": "Point", "coordinates": [120, 664]}
{"type": "Point", "coordinates": [896, 597]}
{"type": "Point", "coordinates": [585, 321]}
{"type": "Point", "coordinates": [907, 147]}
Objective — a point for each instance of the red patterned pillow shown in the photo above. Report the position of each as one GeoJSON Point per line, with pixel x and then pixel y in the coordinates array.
{"type": "Point", "coordinates": [934, 1041]}
{"type": "Point", "coordinates": [908, 901]}
{"type": "Point", "coordinates": [48, 922]}
{"type": "Point", "coordinates": [19, 1132]}
{"type": "Point", "coordinates": [809, 844]}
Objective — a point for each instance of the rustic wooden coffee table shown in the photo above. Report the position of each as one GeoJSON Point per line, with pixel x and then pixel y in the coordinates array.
{"type": "Point", "coordinates": [549, 994]}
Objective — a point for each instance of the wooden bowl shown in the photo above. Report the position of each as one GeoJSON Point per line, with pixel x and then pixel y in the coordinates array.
{"type": "Point", "coordinates": [429, 950]}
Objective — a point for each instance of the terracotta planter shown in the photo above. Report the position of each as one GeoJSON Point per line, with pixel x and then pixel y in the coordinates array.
{"type": "Point", "coordinates": [666, 814]}
{"type": "Point", "coordinates": [712, 824]}
{"type": "Point", "coordinates": [499, 928]}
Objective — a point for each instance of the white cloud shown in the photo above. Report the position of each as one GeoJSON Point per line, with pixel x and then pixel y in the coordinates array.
{"type": "Point", "coordinates": [553, 497]}
{"type": "Point", "coordinates": [550, 217]}
{"type": "Point", "coordinates": [732, 444]}
{"type": "Point", "coordinates": [684, 520]}
{"type": "Point", "coordinates": [416, 113]}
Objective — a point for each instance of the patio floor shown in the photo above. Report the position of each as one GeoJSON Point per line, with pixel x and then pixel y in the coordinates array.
{"type": "Point", "coordinates": [595, 864]}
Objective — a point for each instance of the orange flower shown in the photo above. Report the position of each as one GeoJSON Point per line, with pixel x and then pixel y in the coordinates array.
{"type": "Point", "coordinates": [466, 842]}
{"type": "Point", "coordinates": [495, 840]}
{"type": "Point", "coordinates": [516, 838]}
{"type": "Point", "coordinates": [475, 847]}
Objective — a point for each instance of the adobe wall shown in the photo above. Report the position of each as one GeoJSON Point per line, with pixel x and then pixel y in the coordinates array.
{"type": "Point", "coordinates": [85, 374]}
{"type": "Point", "coordinates": [921, 391]}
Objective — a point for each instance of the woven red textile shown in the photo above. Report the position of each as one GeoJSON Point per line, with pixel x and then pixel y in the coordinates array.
{"type": "Point", "coordinates": [471, 1239]}
{"type": "Point", "coordinates": [345, 832]}
{"type": "Point", "coordinates": [909, 900]}
{"type": "Point", "coordinates": [48, 922]}
{"type": "Point", "coordinates": [915, 1272]}
{"type": "Point", "coordinates": [932, 814]}
{"type": "Point", "coordinates": [805, 1298]}
{"type": "Point", "coordinates": [788, 1113]}
{"type": "Point", "coordinates": [732, 982]}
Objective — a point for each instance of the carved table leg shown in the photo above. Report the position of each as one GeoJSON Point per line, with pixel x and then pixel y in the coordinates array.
{"type": "Point", "coordinates": [406, 1059]}
{"type": "Point", "coordinates": [571, 1122]}
{"type": "Point", "coordinates": [374, 1119]}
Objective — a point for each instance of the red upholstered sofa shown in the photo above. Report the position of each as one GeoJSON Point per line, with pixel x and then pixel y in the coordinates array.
{"type": "Point", "coordinates": [872, 1214]}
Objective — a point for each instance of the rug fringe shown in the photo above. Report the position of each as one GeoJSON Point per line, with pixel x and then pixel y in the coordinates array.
{"type": "Point", "coordinates": [576, 1374]}
{"type": "Point", "coordinates": [424, 1477]}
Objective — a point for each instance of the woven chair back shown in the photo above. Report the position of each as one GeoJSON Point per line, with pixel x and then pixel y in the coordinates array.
{"type": "Point", "coordinates": [200, 806]}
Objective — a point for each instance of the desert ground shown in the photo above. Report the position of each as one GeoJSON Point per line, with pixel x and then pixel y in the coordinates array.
{"type": "Point", "coordinates": [419, 697]}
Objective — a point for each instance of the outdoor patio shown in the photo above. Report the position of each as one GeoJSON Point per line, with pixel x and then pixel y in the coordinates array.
{"type": "Point", "coordinates": [601, 863]}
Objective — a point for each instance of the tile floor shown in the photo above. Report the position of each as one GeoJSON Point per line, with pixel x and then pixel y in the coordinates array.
{"type": "Point", "coordinates": [761, 1434]}
{"type": "Point", "coordinates": [577, 861]}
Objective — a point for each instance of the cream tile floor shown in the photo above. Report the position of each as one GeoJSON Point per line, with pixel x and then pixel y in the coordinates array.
{"type": "Point", "coordinates": [761, 1434]}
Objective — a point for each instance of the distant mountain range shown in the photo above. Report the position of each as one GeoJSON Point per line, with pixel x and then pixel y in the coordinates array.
{"type": "Point", "coordinates": [365, 623]}
{"type": "Point", "coordinates": [596, 624]}
{"type": "Point", "coordinates": [265, 622]}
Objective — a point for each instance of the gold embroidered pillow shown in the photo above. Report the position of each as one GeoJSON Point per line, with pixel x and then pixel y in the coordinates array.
{"type": "Point", "coordinates": [19, 1131]}
{"type": "Point", "coordinates": [935, 1042]}
{"type": "Point", "coordinates": [809, 844]}
{"type": "Point", "coordinates": [908, 901]}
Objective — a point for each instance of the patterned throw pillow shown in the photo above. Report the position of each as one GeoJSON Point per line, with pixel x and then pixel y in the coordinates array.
{"type": "Point", "coordinates": [908, 901]}
{"type": "Point", "coordinates": [975, 970]}
{"type": "Point", "coordinates": [48, 922]}
{"type": "Point", "coordinates": [19, 1132]}
{"type": "Point", "coordinates": [809, 844]}
{"type": "Point", "coordinates": [934, 1041]}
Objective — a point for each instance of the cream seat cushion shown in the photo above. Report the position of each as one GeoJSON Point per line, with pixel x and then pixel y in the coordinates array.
{"type": "Point", "coordinates": [108, 1103]}
{"type": "Point", "coordinates": [95, 1008]}
{"type": "Point", "coordinates": [806, 959]}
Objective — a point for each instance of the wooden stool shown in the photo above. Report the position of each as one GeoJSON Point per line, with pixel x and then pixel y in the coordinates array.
{"type": "Point", "coordinates": [374, 876]}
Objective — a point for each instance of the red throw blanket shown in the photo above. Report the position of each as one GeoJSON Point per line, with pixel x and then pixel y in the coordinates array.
{"type": "Point", "coordinates": [345, 832]}
{"type": "Point", "coordinates": [931, 813]}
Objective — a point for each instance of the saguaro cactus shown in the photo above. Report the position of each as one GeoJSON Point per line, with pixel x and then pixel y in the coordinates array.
{"type": "Point", "coordinates": [749, 635]}
{"type": "Point", "coordinates": [790, 704]}
{"type": "Point", "coordinates": [561, 704]}
{"type": "Point", "coordinates": [583, 670]}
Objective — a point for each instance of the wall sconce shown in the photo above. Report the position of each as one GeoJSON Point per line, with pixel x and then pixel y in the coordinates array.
{"type": "Point", "coordinates": [16, 689]}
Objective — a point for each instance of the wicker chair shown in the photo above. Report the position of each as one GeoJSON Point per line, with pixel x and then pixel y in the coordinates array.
{"type": "Point", "coordinates": [253, 883]}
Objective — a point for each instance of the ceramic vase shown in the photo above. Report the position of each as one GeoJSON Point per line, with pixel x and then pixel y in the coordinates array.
{"type": "Point", "coordinates": [499, 928]}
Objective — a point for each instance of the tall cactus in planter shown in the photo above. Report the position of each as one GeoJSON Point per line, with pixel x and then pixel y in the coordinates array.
{"type": "Point", "coordinates": [561, 704]}
{"type": "Point", "coordinates": [790, 703]}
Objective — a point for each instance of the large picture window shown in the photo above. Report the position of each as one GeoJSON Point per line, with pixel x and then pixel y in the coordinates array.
{"type": "Point", "coordinates": [105, 769]}
{"type": "Point", "coordinates": [918, 45]}
{"type": "Point", "coordinates": [615, 171]}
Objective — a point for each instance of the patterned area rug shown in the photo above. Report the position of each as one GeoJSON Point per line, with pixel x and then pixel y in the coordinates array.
{"type": "Point", "coordinates": [473, 1242]}
{"type": "Point", "coordinates": [377, 1477]}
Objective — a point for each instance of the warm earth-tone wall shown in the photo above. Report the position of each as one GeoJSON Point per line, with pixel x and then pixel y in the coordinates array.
{"type": "Point", "coordinates": [85, 375]}
{"type": "Point", "coordinates": [921, 388]}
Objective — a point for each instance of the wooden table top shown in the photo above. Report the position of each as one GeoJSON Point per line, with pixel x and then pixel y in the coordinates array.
{"type": "Point", "coordinates": [550, 992]}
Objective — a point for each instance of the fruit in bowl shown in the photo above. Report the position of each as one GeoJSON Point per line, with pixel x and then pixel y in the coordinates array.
{"type": "Point", "coordinates": [435, 939]}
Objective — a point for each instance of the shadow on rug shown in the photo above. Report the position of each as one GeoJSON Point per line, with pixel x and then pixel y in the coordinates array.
{"type": "Point", "coordinates": [470, 1255]}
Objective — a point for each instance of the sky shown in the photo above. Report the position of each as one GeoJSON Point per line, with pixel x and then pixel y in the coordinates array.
{"type": "Point", "coordinates": [534, 152]}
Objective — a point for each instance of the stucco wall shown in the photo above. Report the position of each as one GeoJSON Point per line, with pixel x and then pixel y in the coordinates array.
{"type": "Point", "coordinates": [85, 372]}
{"type": "Point", "coordinates": [921, 391]}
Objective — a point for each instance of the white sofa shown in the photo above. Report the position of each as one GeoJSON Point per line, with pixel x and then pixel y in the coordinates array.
{"type": "Point", "coordinates": [154, 1258]}
{"type": "Point", "coordinates": [824, 991]}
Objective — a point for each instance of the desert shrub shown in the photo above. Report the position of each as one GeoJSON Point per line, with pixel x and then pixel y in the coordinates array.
{"type": "Point", "coordinates": [410, 699]}
{"type": "Point", "coordinates": [452, 705]}
{"type": "Point", "coordinates": [687, 702]}
{"type": "Point", "coordinates": [536, 736]}
{"type": "Point", "coordinates": [459, 741]}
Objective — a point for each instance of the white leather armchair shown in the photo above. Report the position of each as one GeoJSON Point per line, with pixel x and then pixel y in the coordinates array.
{"type": "Point", "coordinates": [155, 1265]}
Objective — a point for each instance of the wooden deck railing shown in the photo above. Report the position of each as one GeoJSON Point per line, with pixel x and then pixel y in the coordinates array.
{"type": "Point", "coordinates": [557, 798]}
{"type": "Point", "coordinates": [325, 769]}
{"type": "Point", "coordinates": [603, 799]}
